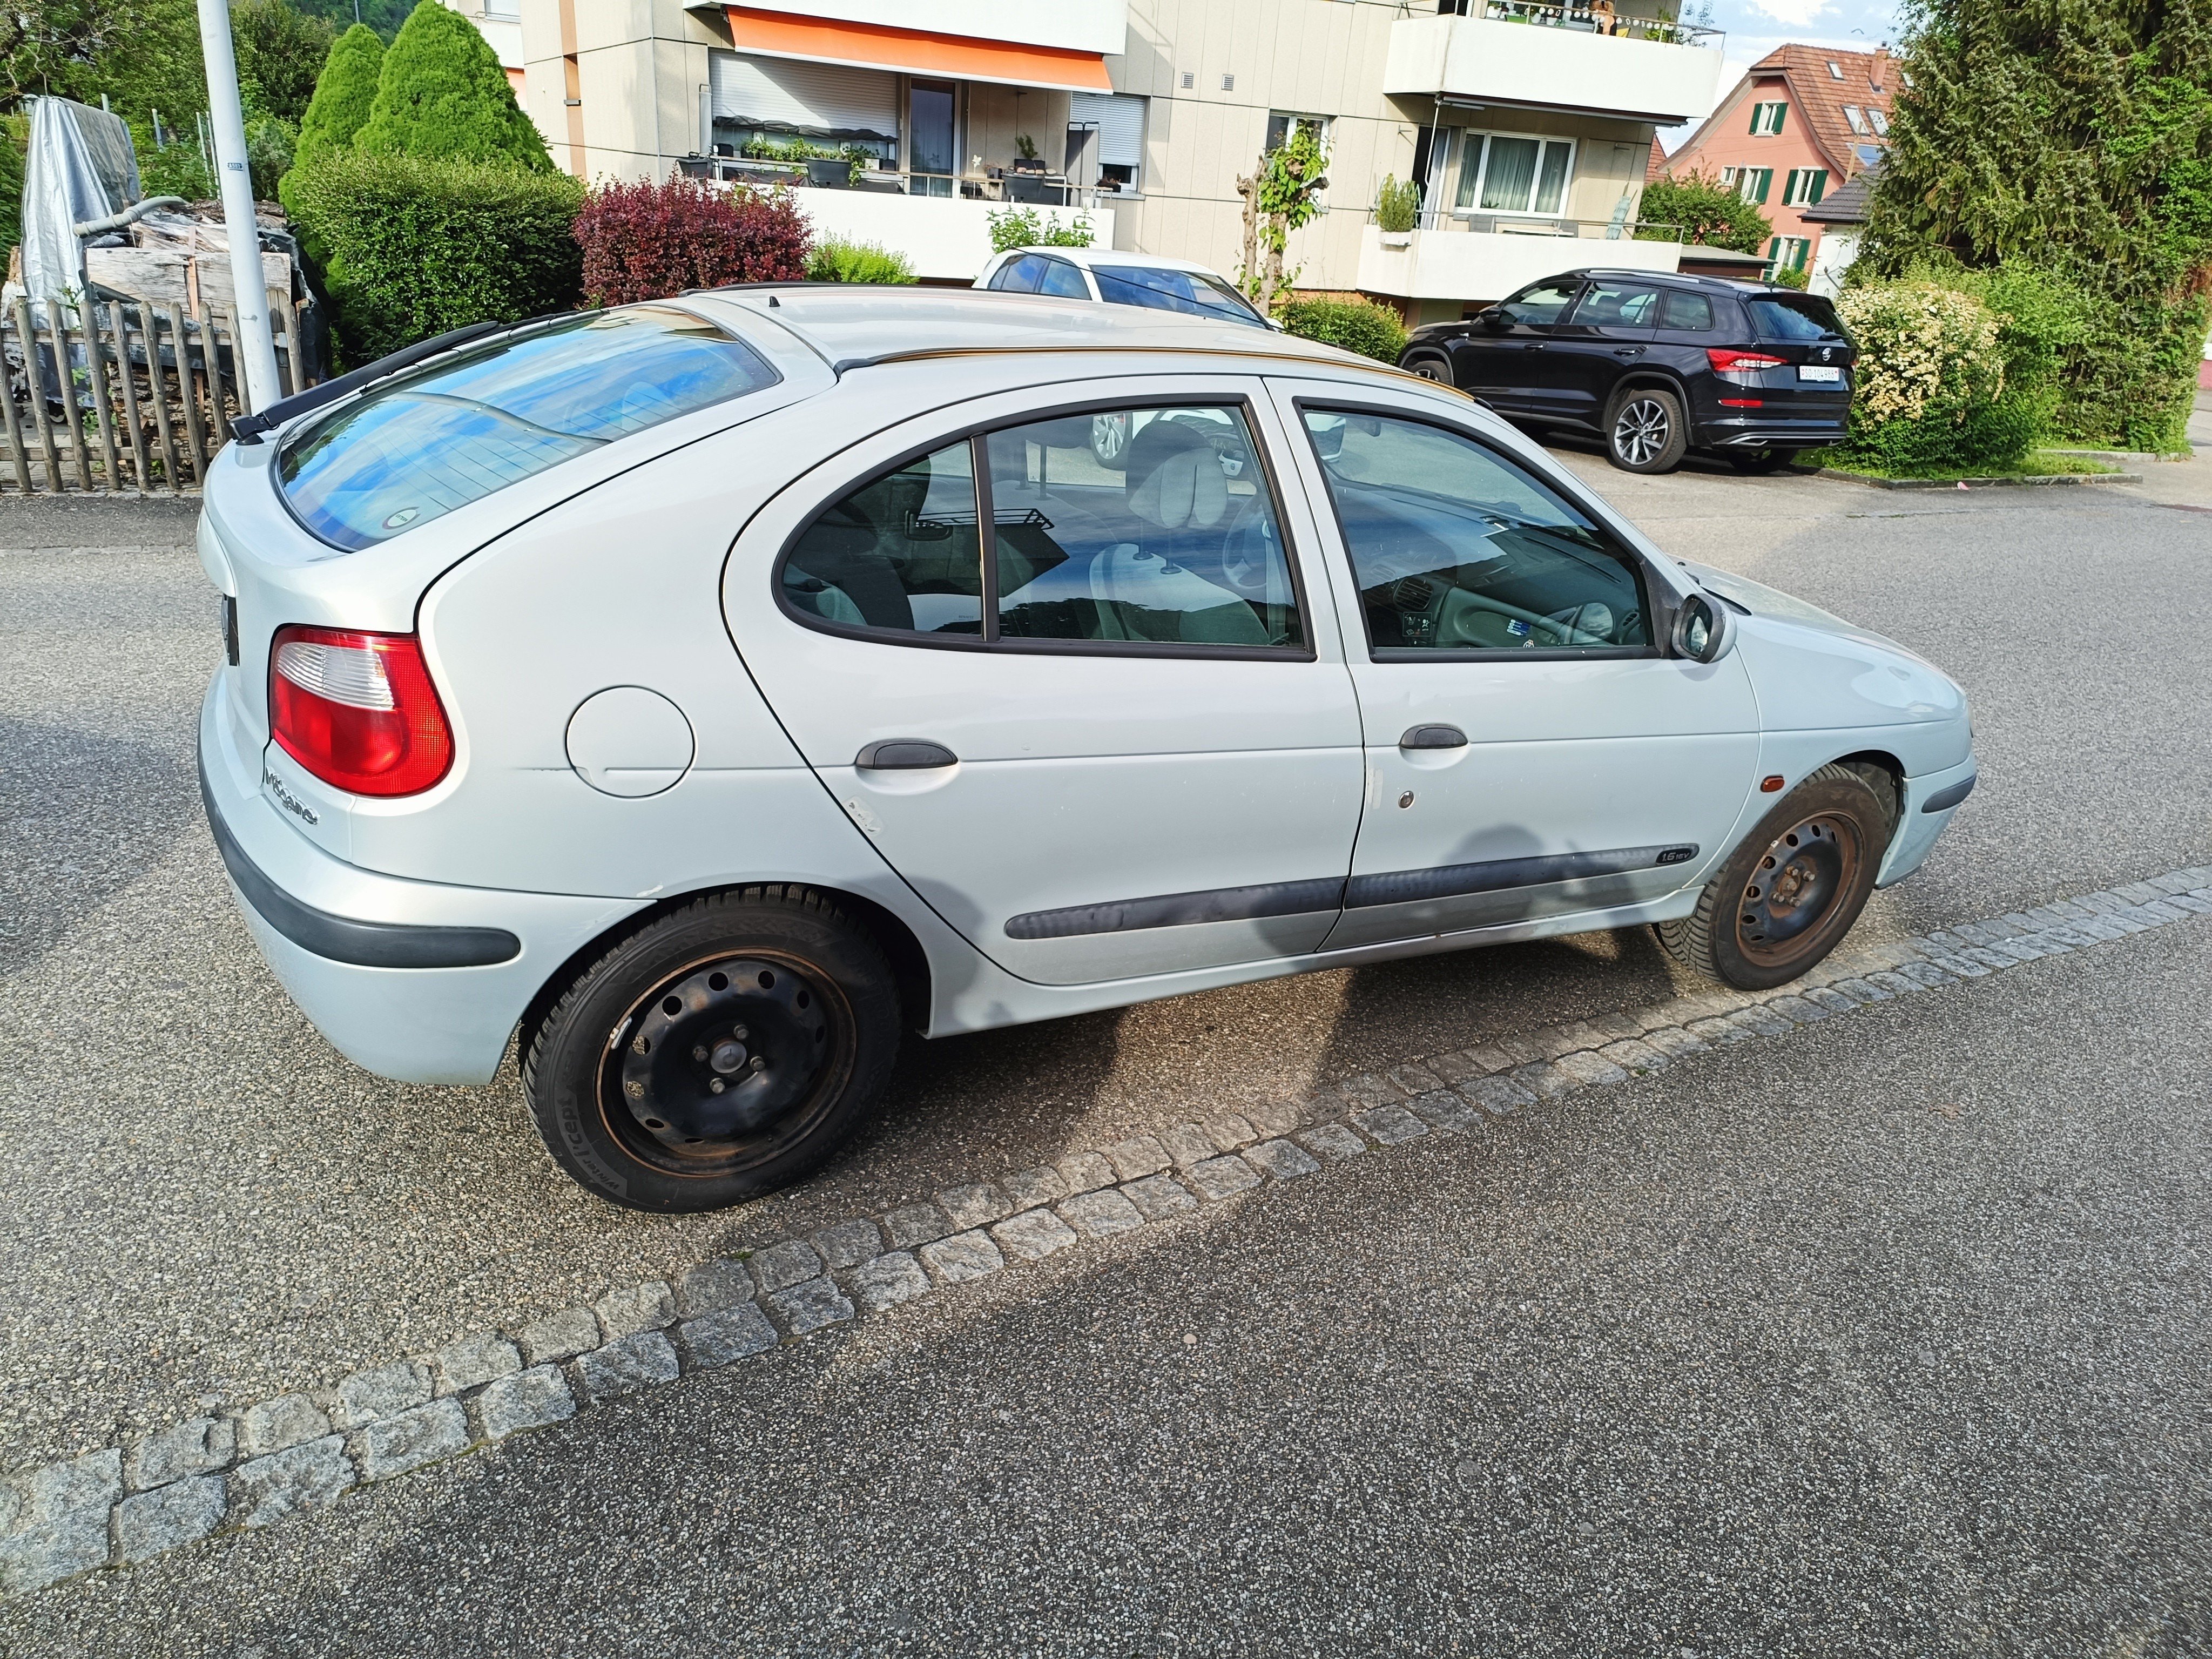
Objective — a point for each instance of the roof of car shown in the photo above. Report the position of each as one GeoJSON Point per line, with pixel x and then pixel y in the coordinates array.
{"type": "Point", "coordinates": [854, 327]}
{"type": "Point", "coordinates": [1094, 256]}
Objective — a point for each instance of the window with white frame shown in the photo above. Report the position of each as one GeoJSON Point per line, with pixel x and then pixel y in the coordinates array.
{"type": "Point", "coordinates": [1856, 117]}
{"type": "Point", "coordinates": [1789, 252]}
{"type": "Point", "coordinates": [1728, 177]}
{"type": "Point", "coordinates": [1881, 119]}
{"type": "Point", "coordinates": [1835, 71]}
{"type": "Point", "coordinates": [1804, 186]}
{"type": "Point", "coordinates": [1513, 173]}
{"type": "Point", "coordinates": [1753, 184]}
{"type": "Point", "coordinates": [1281, 124]}
{"type": "Point", "coordinates": [1766, 118]}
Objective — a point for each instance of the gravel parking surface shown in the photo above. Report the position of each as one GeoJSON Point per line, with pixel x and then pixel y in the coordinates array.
{"type": "Point", "coordinates": [212, 1205]}
{"type": "Point", "coordinates": [1882, 1339]}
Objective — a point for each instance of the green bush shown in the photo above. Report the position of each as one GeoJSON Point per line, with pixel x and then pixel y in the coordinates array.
{"type": "Point", "coordinates": [442, 95]}
{"type": "Point", "coordinates": [1027, 227]}
{"type": "Point", "coordinates": [281, 52]}
{"type": "Point", "coordinates": [1397, 204]}
{"type": "Point", "coordinates": [344, 93]}
{"type": "Point", "coordinates": [1359, 325]}
{"type": "Point", "coordinates": [407, 247]}
{"type": "Point", "coordinates": [1696, 208]}
{"type": "Point", "coordinates": [1932, 394]}
{"type": "Point", "coordinates": [835, 261]}
{"type": "Point", "coordinates": [15, 142]}
{"type": "Point", "coordinates": [1795, 277]}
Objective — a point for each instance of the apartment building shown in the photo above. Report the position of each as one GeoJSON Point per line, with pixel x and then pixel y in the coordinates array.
{"type": "Point", "coordinates": [1526, 126]}
{"type": "Point", "coordinates": [1804, 122]}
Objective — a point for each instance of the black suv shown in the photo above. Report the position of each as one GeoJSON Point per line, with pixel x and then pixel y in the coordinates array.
{"type": "Point", "coordinates": [1655, 364]}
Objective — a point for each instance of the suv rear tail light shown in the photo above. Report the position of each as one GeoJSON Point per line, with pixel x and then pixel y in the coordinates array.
{"type": "Point", "coordinates": [358, 710]}
{"type": "Point", "coordinates": [1726, 362]}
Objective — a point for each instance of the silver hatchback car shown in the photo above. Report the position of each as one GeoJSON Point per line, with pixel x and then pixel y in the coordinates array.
{"type": "Point", "coordinates": [716, 690]}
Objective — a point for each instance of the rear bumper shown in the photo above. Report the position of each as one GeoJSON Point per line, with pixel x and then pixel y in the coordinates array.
{"type": "Point", "coordinates": [1754, 432]}
{"type": "Point", "coordinates": [413, 981]}
{"type": "Point", "coordinates": [1931, 799]}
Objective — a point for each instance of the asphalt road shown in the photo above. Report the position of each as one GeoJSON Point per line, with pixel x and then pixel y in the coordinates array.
{"type": "Point", "coordinates": [210, 1203]}
{"type": "Point", "coordinates": [1884, 1338]}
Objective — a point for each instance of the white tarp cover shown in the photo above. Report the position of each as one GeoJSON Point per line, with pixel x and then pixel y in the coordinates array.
{"type": "Point", "coordinates": [1121, 123]}
{"type": "Point", "coordinates": [821, 100]}
{"type": "Point", "coordinates": [81, 167]}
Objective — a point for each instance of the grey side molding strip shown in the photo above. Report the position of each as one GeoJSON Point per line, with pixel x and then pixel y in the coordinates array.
{"type": "Point", "coordinates": [341, 939]}
{"type": "Point", "coordinates": [1451, 880]}
{"type": "Point", "coordinates": [1274, 898]}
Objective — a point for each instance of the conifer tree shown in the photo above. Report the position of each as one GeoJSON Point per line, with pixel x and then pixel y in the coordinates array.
{"type": "Point", "coordinates": [442, 95]}
{"type": "Point", "coordinates": [343, 95]}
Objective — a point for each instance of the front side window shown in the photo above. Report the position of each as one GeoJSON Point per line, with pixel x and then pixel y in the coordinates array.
{"type": "Point", "coordinates": [1542, 305]}
{"type": "Point", "coordinates": [1505, 172]}
{"type": "Point", "coordinates": [1191, 293]}
{"type": "Point", "coordinates": [419, 446]}
{"type": "Point", "coordinates": [1455, 549]}
{"type": "Point", "coordinates": [1130, 527]}
{"type": "Point", "coordinates": [1617, 305]}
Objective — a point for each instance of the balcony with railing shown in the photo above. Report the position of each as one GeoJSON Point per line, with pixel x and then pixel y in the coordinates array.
{"type": "Point", "coordinates": [1488, 257]}
{"type": "Point", "coordinates": [1594, 58]}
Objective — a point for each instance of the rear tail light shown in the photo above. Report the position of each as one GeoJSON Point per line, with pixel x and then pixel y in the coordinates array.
{"type": "Point", "coordinates": [358, 710]}
{"type": "Point", "coordinates": [1726, 362]}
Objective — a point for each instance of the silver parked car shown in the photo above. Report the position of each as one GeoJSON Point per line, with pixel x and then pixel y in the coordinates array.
{"type": "Point", "coordinates": [716, 690]}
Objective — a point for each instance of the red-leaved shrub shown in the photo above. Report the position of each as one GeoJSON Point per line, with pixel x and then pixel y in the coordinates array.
{"type": "Point", "coordinates": [649, 241]}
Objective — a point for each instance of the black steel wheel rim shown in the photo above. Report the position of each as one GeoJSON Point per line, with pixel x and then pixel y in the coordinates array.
{"type": "Point", "coordinates": [1796, 883]}
{"type": "Point", "coordinates": [1641, 430]}
{"type": "Point", "coordinates": [725, 1063]}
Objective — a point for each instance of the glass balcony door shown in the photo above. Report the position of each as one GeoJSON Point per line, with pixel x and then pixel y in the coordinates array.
{"type": "Point", "coordinates": [933, 136]}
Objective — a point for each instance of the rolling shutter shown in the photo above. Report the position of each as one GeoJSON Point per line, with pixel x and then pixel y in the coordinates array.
{"type": "Point", "coordinates": [1121, 124]}
{"type": "Point", "coordinates": [821, 100]}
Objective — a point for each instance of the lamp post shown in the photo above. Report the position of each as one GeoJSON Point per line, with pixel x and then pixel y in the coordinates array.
{"type": "Point", "coordinates": [253, 346]}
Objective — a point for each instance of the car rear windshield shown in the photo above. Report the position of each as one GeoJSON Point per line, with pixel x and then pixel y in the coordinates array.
{"type": "Point", "coordinates": [1193, 293]}
{"type": "Point", "coordinates": [422, 446]}
{"type": "Point", "coordinates": [1794, 317]}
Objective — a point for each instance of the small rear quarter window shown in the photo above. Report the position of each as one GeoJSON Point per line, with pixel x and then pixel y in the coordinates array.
{"type": "Point", "coordinates": [415, 447]}
{"type": "Point", "coordinates": [1692, 312]}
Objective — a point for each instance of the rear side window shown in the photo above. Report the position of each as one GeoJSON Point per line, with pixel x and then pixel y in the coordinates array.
{"type": "Point", "coordinates": [1793, 317]}
{"type": "Point", "coordinates": [1617, 305]}
{"type": "Point", "coordinates": [1691, 313]}
{"type": "Point", "coordinates": [1018, 275]}
{"type": "Point", "coordinates": [421, 446]}
{"type": "Point", "coordinates": [1062, 281]}
{"type": "Point", "coordinates": [1189, 291]}
{"type": "Point", "coordinates": [900, 554]}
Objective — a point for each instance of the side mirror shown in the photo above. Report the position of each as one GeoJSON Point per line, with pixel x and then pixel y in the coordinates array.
{"type": "Point", "coordinates": [1492, 321]}
{"type": "Point", "coordinates": [1704, 629]}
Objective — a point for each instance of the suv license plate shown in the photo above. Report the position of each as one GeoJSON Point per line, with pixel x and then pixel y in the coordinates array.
{"type": "Point", "coordinates": [1814, 372]}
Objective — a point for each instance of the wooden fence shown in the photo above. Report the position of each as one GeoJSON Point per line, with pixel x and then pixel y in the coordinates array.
{"type": "Point", "coordinates": [121, 396]}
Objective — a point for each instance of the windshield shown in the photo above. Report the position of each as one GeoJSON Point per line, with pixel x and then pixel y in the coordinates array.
{"type": "Point", "coordinates": [1191, 292]}
{"type": "Point", "coordinates": [1794, 317]}
{"type": "Point", "coordinates": [419, 446]}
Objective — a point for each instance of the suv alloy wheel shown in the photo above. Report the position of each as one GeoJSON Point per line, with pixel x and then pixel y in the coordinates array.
{"type": "Point", "coordinates": [1644, 431]}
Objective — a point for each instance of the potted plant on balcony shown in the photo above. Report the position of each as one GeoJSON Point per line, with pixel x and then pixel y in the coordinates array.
{"type": "Point", "coordinates": [1026, 157]}
{"type": "Point", "coordinates": [1397, 210]}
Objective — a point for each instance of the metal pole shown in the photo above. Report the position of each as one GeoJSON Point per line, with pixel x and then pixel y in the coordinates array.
{"type": "Point", "coordinates": [250, 342]}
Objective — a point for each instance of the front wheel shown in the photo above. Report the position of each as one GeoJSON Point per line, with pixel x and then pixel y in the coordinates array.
{"type": "Point", "coordinates": [1109, 439]}
{"type": "Point", "coordinates": [1644, 431]}
{"type": "Point", "coordinates": [715, 1053]}
{"type": "Point", "coordinates": [1789, 893]}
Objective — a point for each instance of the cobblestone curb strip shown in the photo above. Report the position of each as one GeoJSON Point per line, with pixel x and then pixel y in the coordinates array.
{"type": "Point", "coordinates": [125, 1505]}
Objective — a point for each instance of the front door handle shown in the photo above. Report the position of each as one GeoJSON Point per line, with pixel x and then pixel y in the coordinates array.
{"type": "Point", "coordinates": [1434, 737]}
{"type": "Point", "coordinates": [1628, 351]}
{"type": "Point", "coordinates": [904, 755]}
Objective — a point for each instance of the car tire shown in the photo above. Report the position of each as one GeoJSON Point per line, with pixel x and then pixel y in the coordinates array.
{"type": "Point", "coordinates": [1430, 367]}
{"type": "Point", "coordinates": [1644, 431]}
{"type": "Point", "coordinates": [1788, 894]}
{"type": "Point", "coordinates": [1109, 440]}
{"type": "Point", "coordinates": [1756, 461]}
{"type": "Point", "coordinates": [765, 1020]}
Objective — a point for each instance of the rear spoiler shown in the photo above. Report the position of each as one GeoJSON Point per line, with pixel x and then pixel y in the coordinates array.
{"type": "Point", "coordinates": [248, 429]}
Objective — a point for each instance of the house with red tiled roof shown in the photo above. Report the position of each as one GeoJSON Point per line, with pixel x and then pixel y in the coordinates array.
{"type": "Point", "coordinates": [1802, 122]}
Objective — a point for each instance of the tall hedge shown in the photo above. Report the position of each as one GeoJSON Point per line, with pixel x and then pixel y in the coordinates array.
{"type": "Point", "coordinates": [2076, 138]}
{"type": "Point", "coordinates": [442, 94]}
{"type": "Point", "coordinates": [1698, 209]}
{"type": "Point", "coordinates": [408, 246]}
{"type": "Point", "coordinates": [1359, 325]}
{"type": "Point", "coordinates": [345, 92]}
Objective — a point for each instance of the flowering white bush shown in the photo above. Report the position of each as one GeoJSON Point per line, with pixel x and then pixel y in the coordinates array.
{"type": "Point", "coordinates": [1931, 380]}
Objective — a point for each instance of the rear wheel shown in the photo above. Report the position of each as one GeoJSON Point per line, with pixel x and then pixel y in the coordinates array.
{"type": "Point", "coordinates": [1789, 893]}
{"type": "Point", "coordinates": [1644, 431]}
{"type": "Point", "coordinates": [716, 1054]}
{"type": "Point", "coordinates": [1430, 368]}
{"type": "Point", "coordinates": [1109, 439]}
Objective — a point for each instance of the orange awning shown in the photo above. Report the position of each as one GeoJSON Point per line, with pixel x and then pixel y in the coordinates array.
{"type": "Point", "coordinates": [916, 52]}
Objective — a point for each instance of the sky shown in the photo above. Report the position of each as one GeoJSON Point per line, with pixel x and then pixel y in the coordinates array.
{"type": "Point", "coordinates": [1756, 27]}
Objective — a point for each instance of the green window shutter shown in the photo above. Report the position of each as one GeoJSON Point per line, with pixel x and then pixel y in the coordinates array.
{"type": "Point", "coordinates": [1780, 110]}
{"type": "Point", "coordinates": [1820, 182]}
{"type": "Point", "coordinates": [1758, 115]}
{"type": "Point", "coordinates": [1765, 182]}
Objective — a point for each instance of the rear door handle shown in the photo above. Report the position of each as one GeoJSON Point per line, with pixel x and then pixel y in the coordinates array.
{"type": "Point", "coordinates": [904, 755]}
{"type": "Point", "coordinates": [1628, 351]}
{"type": "Point", "coordinates": [1434, 737]}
